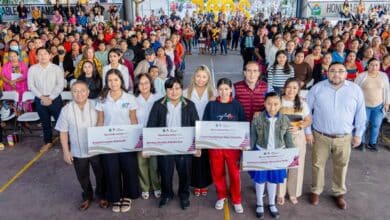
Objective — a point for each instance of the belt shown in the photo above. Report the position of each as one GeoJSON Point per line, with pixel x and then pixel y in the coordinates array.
{"type": "Point", "coordinates": [331, 135]}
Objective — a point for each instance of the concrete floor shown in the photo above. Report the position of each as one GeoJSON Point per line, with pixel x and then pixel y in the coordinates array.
{"type": "Point", "coordinates": [50, 190]}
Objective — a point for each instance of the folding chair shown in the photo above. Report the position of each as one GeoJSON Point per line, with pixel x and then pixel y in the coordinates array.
{"type": "Point", "coordinates": [10, 96]}
{"type": "Point", "coordinates": [27, 116]}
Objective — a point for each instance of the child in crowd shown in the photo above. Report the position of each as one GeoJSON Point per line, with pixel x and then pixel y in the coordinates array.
{"type": "Point", "coordinates": [270, 130]}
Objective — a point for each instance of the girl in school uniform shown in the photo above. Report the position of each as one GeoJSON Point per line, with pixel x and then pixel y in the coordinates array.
{"type": "Point", "coordinates": [116, 107]}
{"type": "Point", "coordinates": [201, 91]}
{"type": "Point", "coordinates": [270, 130]}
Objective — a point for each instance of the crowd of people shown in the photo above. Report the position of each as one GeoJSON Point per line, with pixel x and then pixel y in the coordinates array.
{"type": "Point", "coordinates": [122, 73]}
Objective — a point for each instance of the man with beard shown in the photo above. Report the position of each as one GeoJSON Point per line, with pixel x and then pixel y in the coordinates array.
{"type": "Point", "coordinates": [338, 122]}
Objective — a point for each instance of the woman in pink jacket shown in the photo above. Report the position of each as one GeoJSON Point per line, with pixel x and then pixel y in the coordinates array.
{"type": "Point", "coordinates": [14, 74]}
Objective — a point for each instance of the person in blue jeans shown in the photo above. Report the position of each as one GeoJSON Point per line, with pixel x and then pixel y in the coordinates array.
{"type": "Point", "coordinates": [375, 86]}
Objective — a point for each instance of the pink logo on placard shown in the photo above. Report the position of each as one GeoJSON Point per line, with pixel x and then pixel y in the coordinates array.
{"type": "Point", "coordinates": [245, 142]}
{"type": "Point", "coordinates": [139, 144]}
{"type": "Point", "coordinates": [295, 162]}
{"type": "Point", "coordinates": [192, 147]}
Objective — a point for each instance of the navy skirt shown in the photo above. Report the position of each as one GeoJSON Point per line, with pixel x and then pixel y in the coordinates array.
{"type": "Point", "coordinates": [272, 176]}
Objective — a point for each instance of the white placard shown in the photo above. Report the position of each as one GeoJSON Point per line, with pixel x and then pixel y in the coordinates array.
{"type": "Point", "coordinates": [114, 139]}
{"type": "Point", "coordinates": [168, 141]}
{"type": "Point", "coordinates": [270, 159]}
{"type": "Point", "coordinates": [222, 135]}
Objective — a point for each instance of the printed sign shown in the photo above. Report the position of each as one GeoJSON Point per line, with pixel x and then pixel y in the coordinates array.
{"type": "Point", "coordinates": [270, 159]}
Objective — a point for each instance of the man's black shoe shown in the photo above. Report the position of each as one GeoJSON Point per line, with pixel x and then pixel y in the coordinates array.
{"type": "Point", "coordinates": [184, 204]}
{"type": "Point", "coordinates": [372, 147]}
{"type": "Point", "coordinates": [164, 202]}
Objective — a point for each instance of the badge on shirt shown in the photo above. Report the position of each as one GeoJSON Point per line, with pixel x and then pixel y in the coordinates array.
{"type": "Point", "coordinates": [125, 105]}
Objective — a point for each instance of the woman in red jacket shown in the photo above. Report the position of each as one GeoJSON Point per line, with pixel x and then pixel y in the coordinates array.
{"type": "Point", "coordinates": [354, 66]}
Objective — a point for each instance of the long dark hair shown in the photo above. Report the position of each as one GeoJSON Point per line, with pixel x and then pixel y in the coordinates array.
{"type": "Point", "coordinates": [137, 80]}
{"type": "Point", "coordinates": [118, 52]}
{"type": "Point", "coordinates": [95, 75]}
{"type": "Point", "coordinates": [286, 67]}
{"type": "Point", "coordinates": [106, 89]}
{"type": "Point", "coordinates": [297, 100]}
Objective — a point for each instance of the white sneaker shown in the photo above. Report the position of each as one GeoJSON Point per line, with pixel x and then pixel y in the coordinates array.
{"type": "Point", "coordinates": [238, 208]}
{"type": "Point", "coordinates": [145, 195]}
{"type": "Point", "coordinates": [219, 204]}
{"type": "Point", "coordinates": [157, 194]}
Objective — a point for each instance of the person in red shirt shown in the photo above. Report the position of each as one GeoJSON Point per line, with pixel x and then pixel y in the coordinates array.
{"type": "Point", "coordinates": [68, 43]}
{"type": "Point", "coordinates": [179, 50]}
{"type": "Point", "coordinates": [251, 91]}
{"type": "Point", "coordinates": [108, 35]}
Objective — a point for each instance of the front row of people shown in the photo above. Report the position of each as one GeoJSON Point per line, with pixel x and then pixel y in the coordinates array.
{"type": "Point", "coordinates": [121, 177]}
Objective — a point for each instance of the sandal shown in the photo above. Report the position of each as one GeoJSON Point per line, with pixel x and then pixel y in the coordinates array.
{"type": "Point", "coordinates": [280, 200]}
{"type": "Point", "coordinates": [116, 207]}
{"type": "Point", "coordinates": [85, 205]}
{"type": "Point", "coordinates": [103, 204]}
{"type": "Point", "coordinates": [196, 191]}
{"type": "Point", "coordinates": [203, 191]}
{"type": "Point", "coordinates": [125, 205]}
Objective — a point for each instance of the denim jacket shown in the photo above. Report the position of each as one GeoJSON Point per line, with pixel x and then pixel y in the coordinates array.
{"type": "Point", "coordinates": [260, 130]}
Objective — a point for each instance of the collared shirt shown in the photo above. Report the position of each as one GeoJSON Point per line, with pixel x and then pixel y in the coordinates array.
{"type": "Point", "coordinates": [47, 81]}
{"type": "Point", "coordinates": [117, 112]}
{"type": "Point", "coordinates": [144, 107]}
{"type": "Point", "coordinates": [337, 111]}
{"type": "Point", "coordinates": [271, 133]}
{"type": "Point", "coordinates": [174, 115]}
{"type": "Point", "coordinates": [76, 122]}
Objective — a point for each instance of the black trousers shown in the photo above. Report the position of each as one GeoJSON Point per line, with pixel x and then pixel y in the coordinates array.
{"type": "Point", "coordinates": [166, 166]}
{"type": "Point", "coordinates": [121, 173]}
{"type": "Point", "coordinates": [81, 166]}
{"type": "Point", "coordinates": [45, 113]}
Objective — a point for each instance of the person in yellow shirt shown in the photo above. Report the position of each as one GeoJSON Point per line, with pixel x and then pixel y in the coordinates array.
{"type": "Point", "coordinates": [36, 14]}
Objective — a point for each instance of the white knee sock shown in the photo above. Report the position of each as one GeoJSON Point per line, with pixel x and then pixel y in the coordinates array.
{"type": "Point", "coordinates": [271, 188]}
{"type": "Point", "coordinates": [259, 196]}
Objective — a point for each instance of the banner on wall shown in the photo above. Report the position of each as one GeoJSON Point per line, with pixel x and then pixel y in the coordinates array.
{"type": "Point", "coordinates": [331, 8]}
{"type": "Point", "coordinates": [8, 8]}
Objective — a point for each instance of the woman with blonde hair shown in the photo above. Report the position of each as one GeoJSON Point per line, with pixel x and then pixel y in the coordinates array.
{"type": "Point", "coordinates": [88, 55]}
{"type": "Point", "coordinates": [200, 91]}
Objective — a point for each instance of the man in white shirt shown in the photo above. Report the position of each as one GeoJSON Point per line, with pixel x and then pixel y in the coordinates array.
{"type": "Point", "coordinates": [46, 82]}
{"type": "Point", "coordinates": [73, 123]}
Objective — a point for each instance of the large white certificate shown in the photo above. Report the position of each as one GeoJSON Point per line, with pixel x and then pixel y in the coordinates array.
{"type": "Point", "coordinates": [168, 141]}
{"type": "Point", "coordinates": [222, 135]}
{"type": "Point", "coordinates": [270, 159]}
{"type": "Point", "coordinates": [114, 139]}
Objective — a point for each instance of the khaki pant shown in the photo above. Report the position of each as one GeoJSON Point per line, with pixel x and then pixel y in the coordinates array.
{"type": "Point", "coordinates": [147, 173]}
{"type": "Point", "coordinates": [339, 150]}
{"type": "Point", "coordinates": [294, 180]}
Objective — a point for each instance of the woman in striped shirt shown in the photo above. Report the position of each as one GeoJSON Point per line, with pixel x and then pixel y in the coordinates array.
{"type": "Point", "coordinates": [279, 72]}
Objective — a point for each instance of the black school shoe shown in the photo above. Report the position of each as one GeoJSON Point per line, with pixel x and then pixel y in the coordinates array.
{"type": "Point", "coordinates": [184, 203]}
{"type": "Point", "coordinates": [259, 215]}
{"type": "Point", "coordinates": [275, 215]}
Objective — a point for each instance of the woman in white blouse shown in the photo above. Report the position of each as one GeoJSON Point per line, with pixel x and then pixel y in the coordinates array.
{"type": "Point", "coordinates": [200, 91]}
{"type": "Point", "coordinates": [117, 107]}
{"type": "Point", "coordinates": [144, 92]}
{"type": "Point", "coordinates": [114, 57]}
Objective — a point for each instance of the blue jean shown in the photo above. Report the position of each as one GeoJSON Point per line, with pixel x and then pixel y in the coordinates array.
{"type": "Point", "coordinates": [223, 45]}
{"type": "Point", "coordinates": [213, 47]}
{"type": "Point", "coordinates": [45, 113]}
{"type": "Point", "coordinates": [374, 118]}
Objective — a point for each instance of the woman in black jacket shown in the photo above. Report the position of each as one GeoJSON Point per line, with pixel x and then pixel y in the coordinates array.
{"type": "Point", "coordinates": [174, 110]}
{"type": "Point", "coordinates": [90, 75]}
{"type": "Point", "coordinates": [65, 61]}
